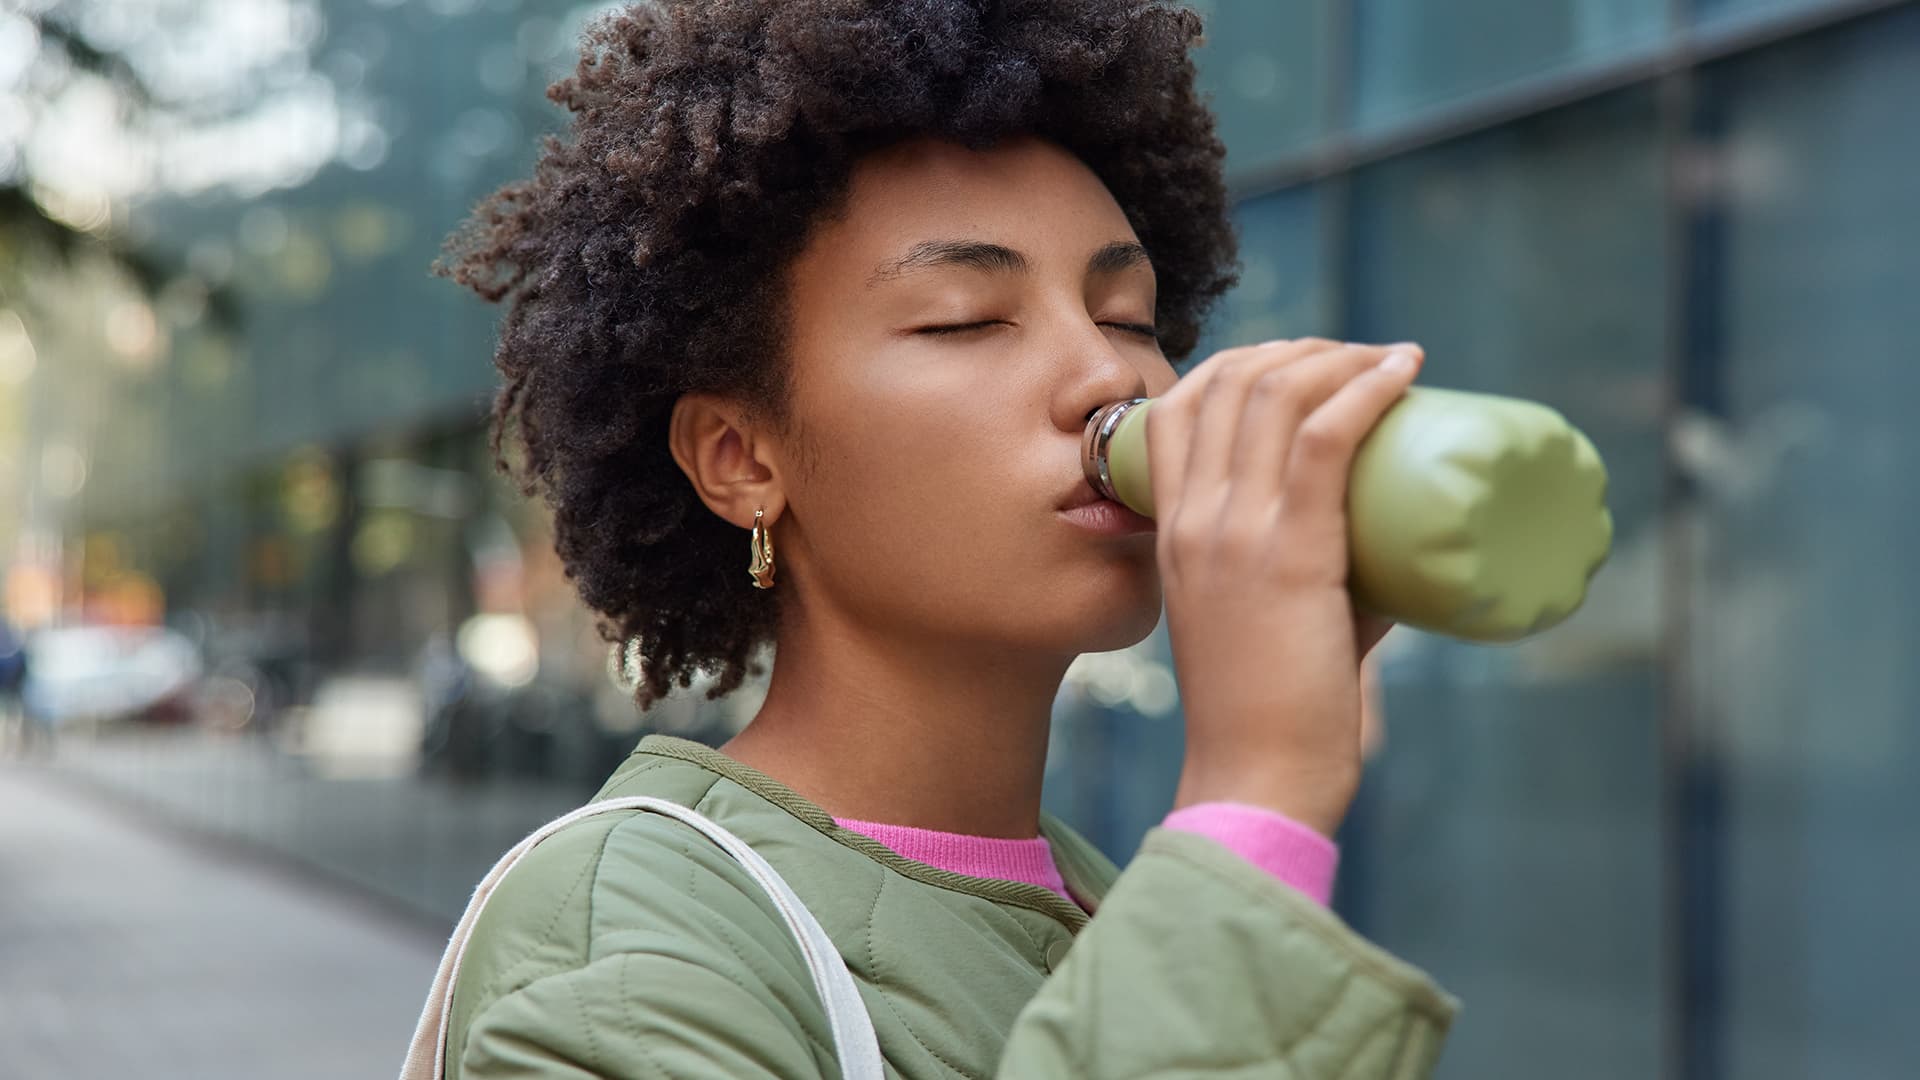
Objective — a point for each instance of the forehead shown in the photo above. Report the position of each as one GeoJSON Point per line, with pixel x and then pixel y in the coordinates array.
{"type": "Point", "coordinates": [1026, 193]}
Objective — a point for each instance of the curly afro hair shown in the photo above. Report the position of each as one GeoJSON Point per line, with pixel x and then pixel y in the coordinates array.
{"type": "Point", "coordinates": [642, 259]}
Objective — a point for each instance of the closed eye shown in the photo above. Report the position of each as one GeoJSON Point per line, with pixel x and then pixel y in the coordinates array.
{"type": "Point", "coordinates": [961, 328]}
{"type": "Point", "coordinates": [1140, 329]}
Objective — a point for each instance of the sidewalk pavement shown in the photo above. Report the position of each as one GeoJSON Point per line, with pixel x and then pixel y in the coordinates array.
{"type": "Point", "coordinates": [128, 949]}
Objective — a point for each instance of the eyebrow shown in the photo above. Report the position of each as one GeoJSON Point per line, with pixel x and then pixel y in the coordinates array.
{"type": "Point", "coordinates": [999, 259]}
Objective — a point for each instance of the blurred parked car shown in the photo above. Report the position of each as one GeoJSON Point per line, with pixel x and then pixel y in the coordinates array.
{"type": "Point", "coordinates": [107, 674]}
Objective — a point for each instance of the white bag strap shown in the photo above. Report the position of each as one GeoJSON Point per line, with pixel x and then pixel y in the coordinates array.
{"type": "Point", "coordinates": [854, 1042]}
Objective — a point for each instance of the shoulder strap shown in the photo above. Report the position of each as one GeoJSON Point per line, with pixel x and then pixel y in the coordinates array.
{"type": "Point", "coordinates": [854, 1042]}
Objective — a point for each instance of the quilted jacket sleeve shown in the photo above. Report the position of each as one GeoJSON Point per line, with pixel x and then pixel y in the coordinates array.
{"type": "Point", "coordinates": [1199, 964]}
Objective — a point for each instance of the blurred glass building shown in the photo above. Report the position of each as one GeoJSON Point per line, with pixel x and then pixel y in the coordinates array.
{"type": "Point", "coordinates": [1674, 837]}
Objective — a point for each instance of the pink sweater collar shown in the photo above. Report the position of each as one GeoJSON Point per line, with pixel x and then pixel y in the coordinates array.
{"type": "Point", "coordinates": [1028, 861]}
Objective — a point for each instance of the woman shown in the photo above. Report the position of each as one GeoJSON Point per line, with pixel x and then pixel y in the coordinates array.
{"type": "Point", "coordinates": [805, 324]}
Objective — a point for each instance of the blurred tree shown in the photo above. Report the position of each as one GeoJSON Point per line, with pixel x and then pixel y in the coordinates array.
{"type": "Point", "coordinates": [28, 226]}
{"type": "Point", "coordinates": [101, 99]}
{"type": "Point", "coordinates": [107, 106]}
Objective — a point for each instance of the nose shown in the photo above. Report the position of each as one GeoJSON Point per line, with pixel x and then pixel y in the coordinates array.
{"type": "Point", "coordinates": [1096, 374]}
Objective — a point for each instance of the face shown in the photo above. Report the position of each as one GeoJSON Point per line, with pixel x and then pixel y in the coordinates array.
{"type": "Point", "coordinates": [951, 331]}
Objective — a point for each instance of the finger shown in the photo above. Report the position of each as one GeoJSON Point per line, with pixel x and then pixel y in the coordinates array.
{"type": "Point", "coordinates": [1217, 421]}
{"type": "Point", "coordinates": [1373, 716]}
{"type": "Point", "coordinates": [1172, 421]}
{"type": "Point", "coordinates": [1277, 403]}
{"type": "Point", "coordinates": [1324, 447]}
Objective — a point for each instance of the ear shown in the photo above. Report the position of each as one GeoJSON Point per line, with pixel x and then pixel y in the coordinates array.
{"type": "Point", "coordinates": [728, 460]}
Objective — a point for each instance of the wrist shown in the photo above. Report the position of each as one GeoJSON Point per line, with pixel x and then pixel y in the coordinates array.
{"type": "Point", "coordinates": [1318, 799]}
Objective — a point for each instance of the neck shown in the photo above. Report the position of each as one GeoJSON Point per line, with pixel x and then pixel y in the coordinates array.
{"type": "Point", "coordinates": [926, 734]}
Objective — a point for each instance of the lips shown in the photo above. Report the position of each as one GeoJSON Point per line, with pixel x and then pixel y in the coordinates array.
{"type": "Point", "coordinates": [1106, 517]}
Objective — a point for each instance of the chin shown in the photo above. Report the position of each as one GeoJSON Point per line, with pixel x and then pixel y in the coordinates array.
{"type": "Point", "coordinates": [1110, 613]}
{"type": "Point", "coordinates": [1131, 629]}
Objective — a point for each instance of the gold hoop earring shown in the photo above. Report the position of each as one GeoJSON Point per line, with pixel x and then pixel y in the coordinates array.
{"type": "Point", "coordinates": [762, 542]}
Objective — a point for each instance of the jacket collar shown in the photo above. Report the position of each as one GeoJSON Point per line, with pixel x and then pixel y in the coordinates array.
{"type": "Point", "coordinates": [1087, 874]}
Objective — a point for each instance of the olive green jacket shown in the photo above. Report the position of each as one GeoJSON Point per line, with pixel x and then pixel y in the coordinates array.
{"type": "Point", "coordinates": [628, 945]}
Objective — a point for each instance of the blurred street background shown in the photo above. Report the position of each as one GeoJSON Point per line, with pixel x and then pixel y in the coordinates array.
{"type": "Point", "coordinates": [285, 665]}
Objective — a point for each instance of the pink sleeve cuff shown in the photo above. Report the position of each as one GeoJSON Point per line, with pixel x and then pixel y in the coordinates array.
{"type": "Point", "coordinates": [1294, 853]}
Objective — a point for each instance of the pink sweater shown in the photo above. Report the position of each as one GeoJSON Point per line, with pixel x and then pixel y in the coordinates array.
{"type": "Point", "coordinates": [1290, 851]}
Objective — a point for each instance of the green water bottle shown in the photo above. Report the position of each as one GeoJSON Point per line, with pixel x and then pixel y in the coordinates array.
{"type": "Point", "coordinates": [1475, 516]}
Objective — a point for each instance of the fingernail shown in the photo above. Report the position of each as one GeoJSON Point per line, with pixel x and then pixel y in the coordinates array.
{"type": "Point", "coordinates": [1399, 362]}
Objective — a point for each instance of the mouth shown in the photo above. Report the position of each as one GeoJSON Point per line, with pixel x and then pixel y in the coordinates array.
{"type": "Point", "coordinates": [1106, 517]}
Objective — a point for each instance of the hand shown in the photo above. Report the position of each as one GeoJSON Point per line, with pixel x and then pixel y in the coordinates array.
{"type": "Point", "coordinates": [1249, 457]}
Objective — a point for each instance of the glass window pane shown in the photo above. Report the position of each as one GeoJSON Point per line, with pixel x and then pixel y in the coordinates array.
{"type": "Point", "coordinates": [343, 328]}
{"type": "Point", "coordinates": [1509, 835]}
{"type": "Point", "coordinates": [1714, 12]}
{"type": "Point", "coordinates": [1283, 290]}
{"type": "Point", "coordinates": [1264, 66]}
{"type": "Point", "coordinates": [1414, 55]}
{"type": "Point", "coordinates": [1809, 594]}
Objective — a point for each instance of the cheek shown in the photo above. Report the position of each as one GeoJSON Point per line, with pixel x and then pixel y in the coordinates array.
{"type": "Point", "coordinates": [906, 453]}
{"type": "Point", "coordinates": [911, 485]}
{"type": "Point", "coordinates": [914, 507]}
